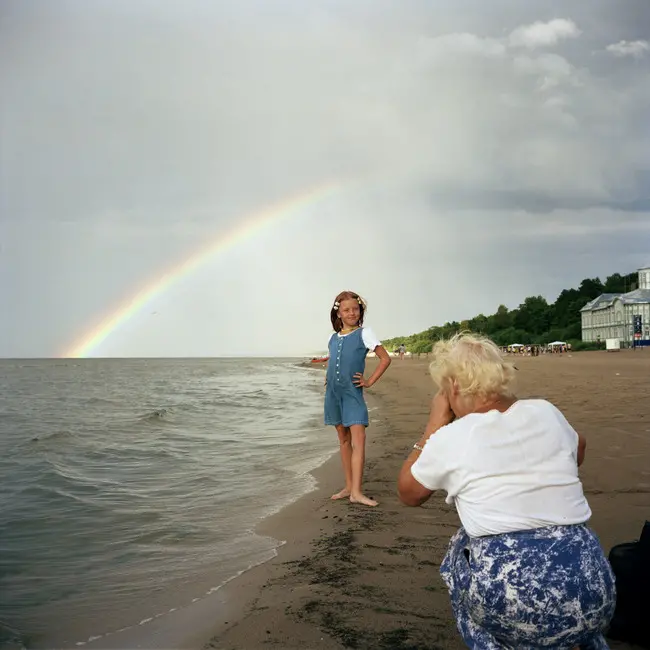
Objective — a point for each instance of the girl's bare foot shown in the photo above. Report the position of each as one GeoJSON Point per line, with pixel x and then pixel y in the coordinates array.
{"type": "Point", "coordinates": [343, 494]}
{"type": "Point", "coordinates": [363, 499]}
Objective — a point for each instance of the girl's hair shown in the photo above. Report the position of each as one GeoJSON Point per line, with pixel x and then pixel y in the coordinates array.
{"type": "Point", "coordinates": [337, 323]}
{"type": "Point", "coordinates": [475, 363]}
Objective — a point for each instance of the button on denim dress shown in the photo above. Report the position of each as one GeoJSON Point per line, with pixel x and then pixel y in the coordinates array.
{"type": "Point", "coordinates": [344, 403]}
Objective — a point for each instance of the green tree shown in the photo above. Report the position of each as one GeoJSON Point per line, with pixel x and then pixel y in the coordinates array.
{"type": "Point", "coordinates": [479, 324]}
{"type": "Point", "coordinates": [533, 315]}
{"type": "Point", "coordinates": [591, 288]}
{"type": "Point", "coordinates": [617, 283]}
{"type": "Point", "coordinates": [501, 320]}
{"type": "Point", "coordinates": [421, 347]}
{"type": "Point", "coordinates": [511, 335]}
{"type": "Point", "coordinates": [562, 312]}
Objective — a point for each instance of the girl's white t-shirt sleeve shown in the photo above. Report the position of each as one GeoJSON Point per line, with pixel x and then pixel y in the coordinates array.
{"type": "Point", "coordinates": [369, 339]}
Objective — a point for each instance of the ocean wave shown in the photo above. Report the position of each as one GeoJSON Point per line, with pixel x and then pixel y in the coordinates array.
{"type": "Point", "coordinates": [10, 638]}
{"type": "Point", "coordinates": [56, 500]}
{"type": "Point", "coordinates": [54, 436]}
{"type": "Point", "coordinates": [96, 401]}
{"type": "Point", "coordinates": [155, 415]}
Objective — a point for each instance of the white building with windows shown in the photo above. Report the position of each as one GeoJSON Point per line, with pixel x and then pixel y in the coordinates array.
{"type": "Point", "coordinates": [611, 315]}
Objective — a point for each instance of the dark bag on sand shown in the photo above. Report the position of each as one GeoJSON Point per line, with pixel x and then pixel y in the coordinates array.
{"type": "Point", "coordinates": [631, 565]}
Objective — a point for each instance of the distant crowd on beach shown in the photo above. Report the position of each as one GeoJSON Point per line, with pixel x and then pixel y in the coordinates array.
{"type": "Point", "coordinates": [519, 350]}
{"type": "Point", "coordinates": [536, 350]}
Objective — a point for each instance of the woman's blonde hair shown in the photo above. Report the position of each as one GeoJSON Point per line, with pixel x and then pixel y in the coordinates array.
{"type": "Point", "coordinates": [475, 363]}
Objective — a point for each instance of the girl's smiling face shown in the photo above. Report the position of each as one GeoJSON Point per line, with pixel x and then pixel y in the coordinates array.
{"type": "Point", "coordinates": [349, 312]}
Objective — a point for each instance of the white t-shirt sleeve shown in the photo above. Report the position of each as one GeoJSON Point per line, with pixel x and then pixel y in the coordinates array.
{"type": "Point", "coordinates": [437, 466]}
{"type": "Point", "coordinates": [567, 428]}
{"type": "Point", "coordinates": [369, 339]}
{"type": "Point", "coordinates": [329, 340]}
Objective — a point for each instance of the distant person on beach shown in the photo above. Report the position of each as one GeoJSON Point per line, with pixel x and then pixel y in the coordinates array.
{"type": "Point", "coordinates": [524, 570]}
{"type": "Point", "coordinates": [345, 407]}
{"type": "Point", "coordinates": [401, 350]}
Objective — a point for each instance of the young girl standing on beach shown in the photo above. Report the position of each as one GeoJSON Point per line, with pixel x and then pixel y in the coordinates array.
{"type": "Point", "coordinates": [345, 407]}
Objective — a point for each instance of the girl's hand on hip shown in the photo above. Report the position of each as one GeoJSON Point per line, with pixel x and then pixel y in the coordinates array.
{"type": "Point", "coordinates": [359, 381]}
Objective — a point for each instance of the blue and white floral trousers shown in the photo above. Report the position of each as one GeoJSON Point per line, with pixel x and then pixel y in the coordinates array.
{"type": "Point", "coordinates": [544, 588]}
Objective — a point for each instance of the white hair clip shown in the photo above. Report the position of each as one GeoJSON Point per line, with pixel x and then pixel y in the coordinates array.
{"type": "Point", "coordinates": [336, 305]}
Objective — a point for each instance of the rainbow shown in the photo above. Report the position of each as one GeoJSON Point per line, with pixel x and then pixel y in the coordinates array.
{"type": "Point", "coordinates": [252, 226]}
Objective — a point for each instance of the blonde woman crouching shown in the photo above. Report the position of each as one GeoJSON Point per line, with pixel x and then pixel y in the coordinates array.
{"type": "Point", "coordinates": [524, 570]}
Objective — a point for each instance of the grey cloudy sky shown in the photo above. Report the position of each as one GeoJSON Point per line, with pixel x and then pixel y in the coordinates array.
{"type": "Point", "coordinates": [484, 151]}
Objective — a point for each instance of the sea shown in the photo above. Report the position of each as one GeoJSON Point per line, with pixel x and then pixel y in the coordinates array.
{"type": "Point", "coordinates": [130, 488]}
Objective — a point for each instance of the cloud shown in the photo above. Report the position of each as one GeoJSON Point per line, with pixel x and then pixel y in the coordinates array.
{"type": "Point", "coordinates": [635, 49]}
{"type": "Point", "coordinates": [473, 146]}
{"type": "Point", "coordinates": [463, 44]}
{"type": "Point", "coordinates": [540, 34]}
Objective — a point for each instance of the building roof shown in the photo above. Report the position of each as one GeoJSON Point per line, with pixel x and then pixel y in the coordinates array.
{"type": "Point", "coordinates": [604, 300]}
{"type": "Point", "coordinates": [636, 297]}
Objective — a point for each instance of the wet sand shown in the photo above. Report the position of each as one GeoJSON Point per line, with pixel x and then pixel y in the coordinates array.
{"type": "Point", "coordinates": [354, 577]}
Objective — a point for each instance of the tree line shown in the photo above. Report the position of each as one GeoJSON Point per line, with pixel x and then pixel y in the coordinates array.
{"type": "Point", "coordinates": [535, 321]}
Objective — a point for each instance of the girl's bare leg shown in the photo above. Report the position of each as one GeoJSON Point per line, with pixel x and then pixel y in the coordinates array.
{"type": "Point", "coordinates": [358, 432]}
{"type": "Point", "coordinates": [345, 444]}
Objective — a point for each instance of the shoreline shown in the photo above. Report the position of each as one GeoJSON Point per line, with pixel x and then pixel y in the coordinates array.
{"type": "Point", "coordinates": [291, 600]}
{"type": "Point", "coordinates": [296, 526]}
{"type": "Point", "coordinates": [169, 628]}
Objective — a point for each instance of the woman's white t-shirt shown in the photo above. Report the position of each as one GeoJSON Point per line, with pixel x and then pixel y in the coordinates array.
{"type": "Point", "coordinates": [508, 471]}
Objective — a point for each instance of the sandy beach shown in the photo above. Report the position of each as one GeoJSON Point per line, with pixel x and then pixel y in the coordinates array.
{"type": "Point", "coordinates": [355, 577]}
